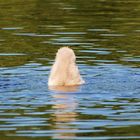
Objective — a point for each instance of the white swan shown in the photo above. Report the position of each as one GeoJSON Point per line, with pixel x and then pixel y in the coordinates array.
{"type": "Point", "coordinates": [64, 71]}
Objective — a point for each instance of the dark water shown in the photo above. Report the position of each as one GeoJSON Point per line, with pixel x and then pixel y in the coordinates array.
{"type": "Point", "coordinates": [105, 35]}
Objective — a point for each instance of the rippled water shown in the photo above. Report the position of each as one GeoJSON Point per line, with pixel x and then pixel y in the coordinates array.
{"type": "Point", "coordinates": [105, 35]}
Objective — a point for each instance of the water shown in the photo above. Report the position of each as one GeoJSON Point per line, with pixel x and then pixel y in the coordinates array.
{"type": "Point", "coordinates": [105, 37]}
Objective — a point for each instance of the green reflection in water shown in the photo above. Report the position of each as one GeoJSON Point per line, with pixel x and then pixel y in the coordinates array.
{"type": "Point", "coordinates": [38, 28]}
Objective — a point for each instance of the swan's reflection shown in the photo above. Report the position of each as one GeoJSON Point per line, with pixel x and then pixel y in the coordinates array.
{"type": "Point", "coordinates": [64, 114]}
{"type": "Point", "coordinates": [64, 88]}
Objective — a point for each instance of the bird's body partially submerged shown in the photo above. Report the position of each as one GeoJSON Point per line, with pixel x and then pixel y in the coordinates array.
{"type": "Point", "coordinates": [64, 71]}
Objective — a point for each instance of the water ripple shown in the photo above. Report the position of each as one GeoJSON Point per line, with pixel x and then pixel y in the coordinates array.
{"type": "Point", "coordinates": [105, 38]}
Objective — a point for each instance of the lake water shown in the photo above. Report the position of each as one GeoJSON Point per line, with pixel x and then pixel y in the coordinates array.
{"type": "Point", "coordinates": [105, 35]}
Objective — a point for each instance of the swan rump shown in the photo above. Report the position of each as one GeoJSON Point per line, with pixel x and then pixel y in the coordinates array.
{"type": "Point", "coordinates": [64, 71]}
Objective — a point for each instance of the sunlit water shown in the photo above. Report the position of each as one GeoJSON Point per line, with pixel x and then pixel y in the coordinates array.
{"type": "Point", "coordinates": [105, 37]}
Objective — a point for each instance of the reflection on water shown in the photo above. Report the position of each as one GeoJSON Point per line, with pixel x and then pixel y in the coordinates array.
{"type": "Point", "coordinates": [64, 114]}
{"type": "Point", "coordinates": [64, 88]}
{"type": "Point", "coordinates": [40, 28]}
{"type": "Point", "coordinates": [105, 35]}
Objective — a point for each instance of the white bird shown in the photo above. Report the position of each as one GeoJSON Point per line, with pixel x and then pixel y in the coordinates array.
{"type": "Point", "coordinates": [64, 71]}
